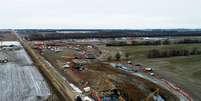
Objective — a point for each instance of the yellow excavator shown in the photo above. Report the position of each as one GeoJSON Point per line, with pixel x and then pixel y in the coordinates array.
{"type": "Point", "coordinates": [156, 92]}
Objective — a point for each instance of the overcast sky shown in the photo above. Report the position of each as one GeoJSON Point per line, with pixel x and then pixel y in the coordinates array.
{"type": "Point", "coordinates": [124, 14]}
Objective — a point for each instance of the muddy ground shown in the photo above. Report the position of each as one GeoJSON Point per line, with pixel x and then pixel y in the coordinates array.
{"type": "Point", "coordinates": [101, 77]}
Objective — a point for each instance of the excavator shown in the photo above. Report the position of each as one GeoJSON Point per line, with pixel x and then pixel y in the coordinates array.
{"type": "Point", "coordinates": [151, 95]}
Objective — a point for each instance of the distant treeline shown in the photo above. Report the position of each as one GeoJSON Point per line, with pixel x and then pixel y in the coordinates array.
{"type": "Point", "coordinates": [135, 43]}
{"type": "Point", "coordinates": [4, 32]}
{"type": "Point", "coordinates": [188, 41]}
{"type": "Point", "coordinates": [158, 53]}
{"type": "Point", "coordinates": [53, 35]}
{"type": "Point", "coordinates": [152, 42]}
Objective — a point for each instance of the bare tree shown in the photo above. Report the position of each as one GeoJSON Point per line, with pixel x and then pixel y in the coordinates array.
{"type": "Point", "coordinates": [118, 56]}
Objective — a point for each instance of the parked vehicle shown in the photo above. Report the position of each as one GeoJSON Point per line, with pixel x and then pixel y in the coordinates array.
{"type": "Point", "coordinates": [3, 60]}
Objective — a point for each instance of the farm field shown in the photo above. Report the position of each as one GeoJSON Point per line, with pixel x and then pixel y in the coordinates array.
{"type": "Point", "coordinates": [184, 71]}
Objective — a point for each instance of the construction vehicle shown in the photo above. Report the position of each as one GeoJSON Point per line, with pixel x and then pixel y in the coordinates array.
{"type": "Point", "coordinates": [151, 95]}
{"type": "Point", "coordinates": [3, 58]}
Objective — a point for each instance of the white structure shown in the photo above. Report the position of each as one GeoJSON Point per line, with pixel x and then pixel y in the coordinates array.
{"type": "Point", "coordinates": [87, 89]}
{"type": "Point", "coordinates": [66, 66]}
